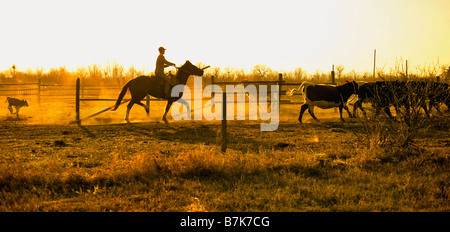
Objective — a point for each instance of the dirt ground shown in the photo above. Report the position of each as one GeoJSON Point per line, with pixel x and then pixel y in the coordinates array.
{"type": "Point", "coordinates": [48, 164]}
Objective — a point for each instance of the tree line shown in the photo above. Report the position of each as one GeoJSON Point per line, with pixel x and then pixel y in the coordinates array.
{"type": "Point", "coordinates": [117, 74]}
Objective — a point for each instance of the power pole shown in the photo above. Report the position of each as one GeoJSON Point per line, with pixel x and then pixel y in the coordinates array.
{"type": "Point", "coordinates": [333, 76]}
{"type": "Point", "coordinates": [406, 69]}
{"type": "Point", "coordinates": [374, 61]}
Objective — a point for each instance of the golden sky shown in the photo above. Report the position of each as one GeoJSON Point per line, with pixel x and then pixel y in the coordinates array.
{"type": "Point", "coordinates": [280, 34]}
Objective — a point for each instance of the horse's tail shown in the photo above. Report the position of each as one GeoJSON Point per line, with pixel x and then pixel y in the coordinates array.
{"type": "Point", "coordinates": [121, 95]}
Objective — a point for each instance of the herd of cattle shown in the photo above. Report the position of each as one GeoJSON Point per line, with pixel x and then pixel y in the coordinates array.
{"type": "Point", "coordinates": [426, 95]}
{"type": "Point", "coordinates": [382, 94]}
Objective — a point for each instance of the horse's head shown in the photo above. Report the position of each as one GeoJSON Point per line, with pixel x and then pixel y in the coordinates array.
{"type": "Point", "coordinates": [191, 69]}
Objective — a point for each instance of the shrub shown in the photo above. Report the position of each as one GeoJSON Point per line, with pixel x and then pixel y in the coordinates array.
{"type": "Point", "coordinates": [395, 136]}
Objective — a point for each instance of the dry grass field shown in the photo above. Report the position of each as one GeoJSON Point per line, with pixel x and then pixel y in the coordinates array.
{"type": "Point", "coordinates": [107, 165]}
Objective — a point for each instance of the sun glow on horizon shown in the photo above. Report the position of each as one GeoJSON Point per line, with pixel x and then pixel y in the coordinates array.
{"type": "Point", "coordinates": [282, 35]}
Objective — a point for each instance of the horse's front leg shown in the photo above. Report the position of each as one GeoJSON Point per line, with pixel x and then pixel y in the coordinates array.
{"type": "Point", "coordinates": [182, 101]}
{"type": "Point", "coordinates": [169, 104]}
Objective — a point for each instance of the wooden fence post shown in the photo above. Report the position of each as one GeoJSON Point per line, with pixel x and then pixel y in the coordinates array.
{"type": "Point", "coordinates": [333, 76]}
{"type": "Point", "coordinates": [406, 72]}
{"type": "Point", "coordinates": [280, 84]}
{"type": "Point", "coordinates": [224, 121]}
{"type": "Point", "coordinates": [374, 61]}
{"type": "Point", "coordinates": [333, 82]}
{"type": "Point", "coordinates": [39, 92]}
{"type": "Point", "coordinates": [147, 100]}
{"type": "Point", "coordinates": [212, 85]}
{"type": "Point", "coordinates": [77, 102]}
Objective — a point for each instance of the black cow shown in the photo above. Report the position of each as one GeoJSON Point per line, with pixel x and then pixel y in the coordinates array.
{"type": "Point", "coordinates": [368, 92]}
{"type": "Point", "coordinates": [384, 94]}
{"type": "Point", "coordinates": [439, 93]}
{"type": "Point", "coordinates": [325, 97]}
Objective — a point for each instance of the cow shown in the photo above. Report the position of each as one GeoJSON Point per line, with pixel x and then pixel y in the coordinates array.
{"type": "Point", "coordinates": [16, 103]}
{"type": "Point", "coordinates": [439, 93]}
{"type": "Point", "coordinates": [384, 94]}
{"type": "Point", "coordinates": [325, 97]}
{"type": "Point", "coordinates": [366, 92]}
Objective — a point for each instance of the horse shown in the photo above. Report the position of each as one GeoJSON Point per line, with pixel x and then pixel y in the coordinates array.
{"type": "Point", "coordinates": [141, 86]}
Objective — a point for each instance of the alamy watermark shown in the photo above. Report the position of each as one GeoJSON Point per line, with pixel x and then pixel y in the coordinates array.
{"type": "Point", "coordinates": [212, 109]}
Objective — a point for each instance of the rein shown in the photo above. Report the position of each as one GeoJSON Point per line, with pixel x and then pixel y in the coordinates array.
{"type": "Point", "coordinates": [182, 69]}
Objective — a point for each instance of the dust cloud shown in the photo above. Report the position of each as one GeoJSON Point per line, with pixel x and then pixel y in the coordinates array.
{"type": "Point", "coordinates": [61, 111]}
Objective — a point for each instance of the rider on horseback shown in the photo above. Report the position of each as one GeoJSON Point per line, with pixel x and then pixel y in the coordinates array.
{"type": "Point", "coordinates": [162, 63]}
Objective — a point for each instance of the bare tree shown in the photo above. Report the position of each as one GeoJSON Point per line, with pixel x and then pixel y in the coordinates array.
{"type": "Point", "coordinates": [39, 71]}
{"type": "Point", "coordinates": [430, 70]}
{"type": "Point", "coordinates": [445, 73]}
{"type": "Point", "coordinates": [340, 69]}
{"type": "Point", "coordinates": [261, 71]}
{"type": "Point", "coordinates": [13, 71]}
{"type": "Point", "coordinates": [95, 71]}
{"type": "Point", "coordinates": [216, 71]}
{"type": "Point", "coordinates": [240, 74]}
{"type": "Point", "coordinates": [117, 72]}
{"type": "Point", "coordinates": [299, 73]}
{"type": "Point", "coordinates": [229, 72]}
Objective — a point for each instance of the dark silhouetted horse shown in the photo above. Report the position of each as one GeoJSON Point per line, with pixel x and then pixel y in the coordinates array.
{"type": "Point", "coordinates": [154, 86]}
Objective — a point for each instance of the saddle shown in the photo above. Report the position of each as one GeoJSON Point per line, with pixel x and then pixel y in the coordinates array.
{"type": "Point", "coordinates": [162, 83]}
{"type": "Point", "coordinates": [173, 79]}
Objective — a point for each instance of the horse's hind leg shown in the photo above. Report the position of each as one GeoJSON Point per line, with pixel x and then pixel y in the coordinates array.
{"type": "Point", "coordinates": [182, 101]}
{"type": "Point", "coordinates": [147, 109]}
{"type": "Point", "coordinates": [127, 116]}
{"type": "Point", "coordinates": [137, 97]}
